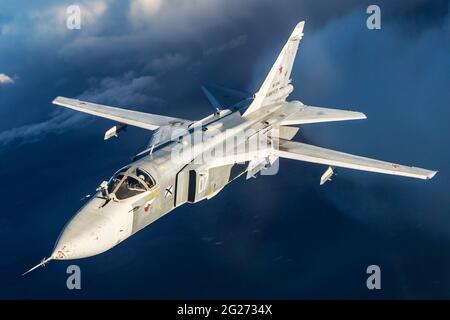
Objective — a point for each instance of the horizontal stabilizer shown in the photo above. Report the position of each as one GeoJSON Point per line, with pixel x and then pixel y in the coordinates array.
{"type": "Point", "coordinates": [305, 152]}
{"type": "Point", "coordinates": [287, 133]}
{"type": "Point", "coordinates": [226, 97]}
{"type": "Point", "coordinates": [309, 114]}
{"type": "Point", "coordinates": [212, 99]}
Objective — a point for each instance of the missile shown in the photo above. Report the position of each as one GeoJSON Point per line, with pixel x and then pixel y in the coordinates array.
{"type": "Point", "coordinates": [114, 131]}
{"type": "Point", "coordinates": [327, 175]}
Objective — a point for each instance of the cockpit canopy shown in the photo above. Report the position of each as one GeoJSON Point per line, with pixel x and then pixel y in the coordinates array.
{"type": "Point", "coordinates": [130, 181]}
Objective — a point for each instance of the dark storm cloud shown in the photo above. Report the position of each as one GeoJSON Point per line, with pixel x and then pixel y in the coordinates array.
{"type": "Point", "coordinates": [177, 47]}
{"type": "Point", "coordinates": [45, 52]}
{"type": "Point", "coordinates": [233, 43]}
{"type": "Point", "coordinates": [159, 55]}
{"type": "Point", "coordinates": [124, 90]}
{"type": "Point", "coordinates": [59, 121]}
{"type": "Point", "coordinates": [155, 59]}
{"type": "Point", "coordinates": [179, 44]}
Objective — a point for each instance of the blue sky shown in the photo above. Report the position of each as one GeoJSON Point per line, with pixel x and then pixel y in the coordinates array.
{"type": "Point", "coordinates": [313, 242]}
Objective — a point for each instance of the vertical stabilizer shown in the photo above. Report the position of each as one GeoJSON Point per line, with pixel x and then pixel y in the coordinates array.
{"type": "Point", "coordinates": [277, 85]}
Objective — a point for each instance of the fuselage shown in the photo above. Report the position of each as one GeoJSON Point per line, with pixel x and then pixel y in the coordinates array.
{"type": "Point", "coordinates": [182, 170]}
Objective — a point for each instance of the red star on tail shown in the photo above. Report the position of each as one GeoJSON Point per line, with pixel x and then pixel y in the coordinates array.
{"type": "Point", "coordinates": [280, 69]}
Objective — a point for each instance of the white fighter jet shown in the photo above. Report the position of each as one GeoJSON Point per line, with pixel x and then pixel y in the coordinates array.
{"type": "Point", "coordinates": [186, 162]}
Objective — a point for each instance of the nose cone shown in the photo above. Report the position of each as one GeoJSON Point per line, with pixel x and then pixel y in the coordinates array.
{"type": "Point", "coordinates": [88, 233]}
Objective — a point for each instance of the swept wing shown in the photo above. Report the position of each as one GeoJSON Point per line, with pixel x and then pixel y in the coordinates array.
{"type": "Point", "coordinates": [143, 120]}
{"type": "Point", "coordinates": [305, 152]}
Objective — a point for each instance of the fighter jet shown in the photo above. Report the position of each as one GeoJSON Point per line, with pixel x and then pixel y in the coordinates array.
{"type": "Point", "coordinates": [188, 161]}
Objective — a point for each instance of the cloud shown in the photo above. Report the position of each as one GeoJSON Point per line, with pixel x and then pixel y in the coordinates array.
{"type": "Point", "coordinates": [141, 10]}
{"type": "Point", "coordinates": [52, 20]}
{"type": "Point", "coordinates": [166, 62]}
{"type": "Point", "coordinates": [181, 17]}
{"type": "Point", "coordinates": [125, 91]}
{"type": "Point", "coordinates": [5, 79]}
{"type": "Point", "coordinates": [59, 121]}
{"type": "Point", "coordinates": [93, 10]}
{"type": "Point", "coordinates": [233, 43]}
{"type": "Point", "coordinates": [128, 65]}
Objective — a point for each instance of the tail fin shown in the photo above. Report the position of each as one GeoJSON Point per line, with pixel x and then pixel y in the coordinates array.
{"type": "Point", "coordinates": [277, 85]}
